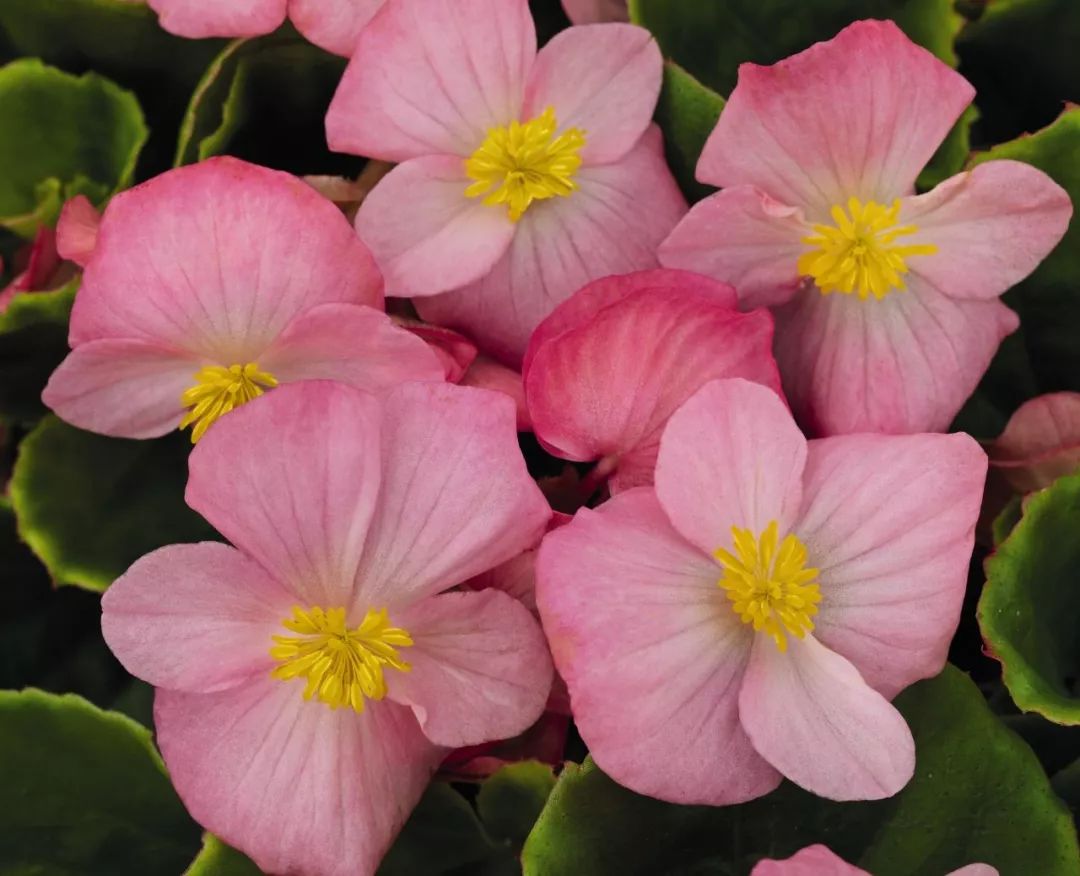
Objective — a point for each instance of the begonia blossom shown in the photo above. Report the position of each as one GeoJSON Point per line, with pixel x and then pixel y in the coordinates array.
{"type": "Point", "coordinates": [887, 310]}
{"type": "Point", "coordinates": [608, 367]}
{"type": "Point", "coordinates": [311, 678]}
{"type": "Point", "coordinates": [819, 860]}
{"type": "Point", "coordinates": [523, 175]}
{"type": "Point", "coordinates": [595, 11]}
{"type": "Point", "coordinates": [753, 615]}
{"type": "Point", "coordinates": [213, 283]}
{"type": "Point", "coordinates": [1040, 443]}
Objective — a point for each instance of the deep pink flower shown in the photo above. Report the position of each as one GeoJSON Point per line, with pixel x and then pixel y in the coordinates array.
{"type": "Point", "coordinates": [77, 230]}
{"type": "Point", "coordinates": [608, 367]}
{"type": "Point", "coordinates": [887, 302]}
{"type": "Point", "coordinates": [818, 860]}
{"type": "Point", "coordinates": [595, 11]}
{"type": "Point", "coordinates": [212, 283]}
{"type": "Point", "coordinates": [753, 615]}
{"type": "Point", "coordinates": [523, 174]}
{"type": "Point", "coordinates": [310, 679]}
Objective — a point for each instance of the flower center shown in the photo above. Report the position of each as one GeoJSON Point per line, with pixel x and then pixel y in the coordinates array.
{"type": "Point", "coordinates": [218, 390]}
{"type": "Point", "coordinates": [342, 666]}
{"type": "Point", "coordinates": [858, 254]}
{"type": "Point", "coordinates": [525, 162]}
{"type": "Point", "coordinates": [770, 587]}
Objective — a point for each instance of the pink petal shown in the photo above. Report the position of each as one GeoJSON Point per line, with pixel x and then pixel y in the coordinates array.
{"type": "Point", "coordinates": [77, 229]}
{"type": "Point", "coordinates": [431, 77]}
{"type": "Point", "coordinates": [1040, 443]}
{"type": "Point", "coordinates": [890, 523]}
{"type": "Point", "coordinates": [353, 344]}
{"type": "Point", "coordinates": [975, 870]}
{"type": "Point", "coordinates": [859, 115]}
{"type": "Point", "coordinates": [651, 652]}
{"type": "Point", "coordinates": [486, 373]}
{"type": "Point", "coordinates": [456, 498]}
{"type": "Point", "coordinates": [219, 18]}
{"type": "Point", "coordinates": [992, 226]}
{"type": "Point", "coordinates": [815, 860]}
{"type": "Point", "coordinates": [611, 225]}
{"type": "Point", "coordinates": [291, 480]}
{"type": "Point", "coordinates": [223, 255]}
{"type": "Point", "coordinates": [297, 786]}
{"type": "Point", "coordinates": [127, 389]}
{"type": "Point", "coordinates": [603, 80]}
{"type": "Point", "coordinates": [455, 352]}
{"type": "Point", "coordinates": [427, 236]}
{"type": "Point", "coordinates": [606, 386]}
{"type": "Point", "coordinates": [595, 11]}
{"type": "Point", "coordinates": [480, 667]}
{"type": "Point", "coordinates": [730, 456]}
{"type": "Point", "coordinates": [743, 237]}
{"type": "Point", "coordinates": [194, 617]}
{"type": "Point", "coordinates": [809, 713]}
{"type": "Point", "coordinates": [333, 25]}
{"type": "Point", "coordinates": [906, 363]}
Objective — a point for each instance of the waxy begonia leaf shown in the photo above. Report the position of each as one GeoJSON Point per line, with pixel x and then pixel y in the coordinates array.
{"type": "Point", "coordinates": [687, 112]}
{"type": "Point", "coordinates": [89, 505]}
{"type": "Point", "coordinates": [217, 859]}
{"type": "Point", "coordinates": [83, 791]}
{"type": "Point", "coordinates": [62, 135]}
{"type": "Point", "coordinates": [1030, 608]}
{"type": "Point", "coordinates": [511, 800]}
{"type": "Point", "coordinates": [978, 794]}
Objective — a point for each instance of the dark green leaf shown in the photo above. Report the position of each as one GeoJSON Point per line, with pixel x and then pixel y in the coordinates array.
{"type": "Point", "coordinates": [218, 859]}
{"type": "Point", "coordinates": [511, 800]}
{"type": "Point", "coordinates": [687, 112]}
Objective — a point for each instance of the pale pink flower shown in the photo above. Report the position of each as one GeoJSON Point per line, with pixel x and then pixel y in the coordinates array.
{"type": "Point", "coordinates": [595, 11]}
{"type": "Point", "coordinates": [211, 284]}
{"type": "Point", "coordinates": [887, 310]}
{"type": "Point", "coordinates": [608, 367]}
{"type": "Point", "coordinates": [819, 860]}
{"type": "Point", "coordinates": [310, 679]}
{"type": "Point", "coordinates": [753, 615]}
{"type": "Point", "coordinates": [523, 175]}
{"type": "Point", "coordinates": [1040, 443]}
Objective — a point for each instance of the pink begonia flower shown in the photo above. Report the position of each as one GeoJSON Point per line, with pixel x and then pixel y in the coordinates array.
{"type": "Point", "coordinates": [595, 11]}
{"type": "Point", "coordinates": [819, 860]}
{"type": "Point", "coordinates": [311, 678]}
{"type": "Point", "coordinates": [523, 174]}
{"type": "Point", "coordinates": [1040, 443]}
{"type": "Point", "coordinates": [38, 268]}
{"type": "Point", "coordinates": [213, 283]}
{"type": "Point", "coordinates": [887, 310]}
{"type": "Point", "coordinates": [333, 25]}
{"type": "Point", "coordinates": [608, 367]}
{"type": "Point", "coordinates": [77, 230]}
{"type": "Point", "coordinates": [752, 616]}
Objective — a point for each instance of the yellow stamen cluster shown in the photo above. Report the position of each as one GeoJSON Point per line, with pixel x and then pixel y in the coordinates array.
{"type": "Point", "coordinates": [342, 666]}
{"type": "Point", "coordinates": [858, 254]}
{"type": "Point", "coordinates": [769, 586]}
{"type": "Point", "coordinates": [218, 390]}
{"type": "Point", "coordinates": [525, 162]}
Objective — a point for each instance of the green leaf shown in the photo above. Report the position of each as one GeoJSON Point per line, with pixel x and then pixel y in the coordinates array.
{"type": "Point", "coordinates": [84, 792]}
{"type": "Point", "coordinates": [62, 135]}
{"type": "Point", "coordinates": [687, 112]}
{"type": "Point", "coordinates": [1030, 608]}
{"type": "Point", "coordinates": [89, 505]}
{"type": "Point", "coordinates": [1006, 520]}
{"type": "Point", "coordinates": [711, 39]}
{"type": "Point", "coordinates": [218, 859]}
{"type": "Point", "coordinates": [978, 794]}
{"type": "Point", "coordinates": [511, 800]}
{"type": "Point", "coordinates": [951, 155]}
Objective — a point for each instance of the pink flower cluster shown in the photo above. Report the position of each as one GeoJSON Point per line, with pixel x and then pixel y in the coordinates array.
{"type": "Point", "coordinates": [744, 603]}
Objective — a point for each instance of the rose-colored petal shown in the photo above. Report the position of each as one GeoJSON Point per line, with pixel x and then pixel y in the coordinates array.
{"type": "Point", "coordinates": [333, 25]}
{"type": "Point", "coordinates": [743, 237]}
{"type": "Point", "coordinates": [1040, 443]}
{"type": "Point", "coordinates": [611, 225]}
{"type": "Point", "coordinates": [889, 520]}
{"type": "Point", "coordinates": [427, 236]}
{"type": "Point", "coordinates": [595, 11]}
{"type": "Point", "coordinates": [217, 258]}
{"type": "Point", "coordinates": [431, 77]}
{"type": "Point", "coordinates": [730, 456]}
{"type": "Point", "coordinates": [651, 652]}
{"type": "Point", "coordinates": [194, 617]}
{"type": "Point", "coordinates": [809, 713]}
{"type": "Point", "coordinates": [486, 373]}
{"type": "Point", "coordinates": [480, 668]}
{"type": "Point", "coordinates": [77, 229]}
{"type": "Point", "coordinates": [295, 785]}
{"type": "Point", "coordinates": [975, 870]}
{"type": "Point", "coordinates": [859, 115]}
{"type": "Point", "coordinates": [906, 363]}
{"type": "Point", "coordinates": [291, 479]}
{"type": "Point", "coordinates": [219, 18]}
{"type": "Point", "coordinates": [455, 352]}
{"type": "Point", "coordinates": [456, 498]}
{"type": "Point", "coordinates": [991, 226]}
{"type": "Point", "coordinates": [352, 344]}
{"type": "Point", "coordinates": [815, 860]}
{"type": "Point", "coordinates": [128, 389]}
{"type": "Point", "coordinates": [601, 79]}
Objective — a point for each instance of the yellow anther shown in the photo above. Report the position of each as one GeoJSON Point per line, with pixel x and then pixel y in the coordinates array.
{"type": "Point", "coordinates": [218, 390]}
